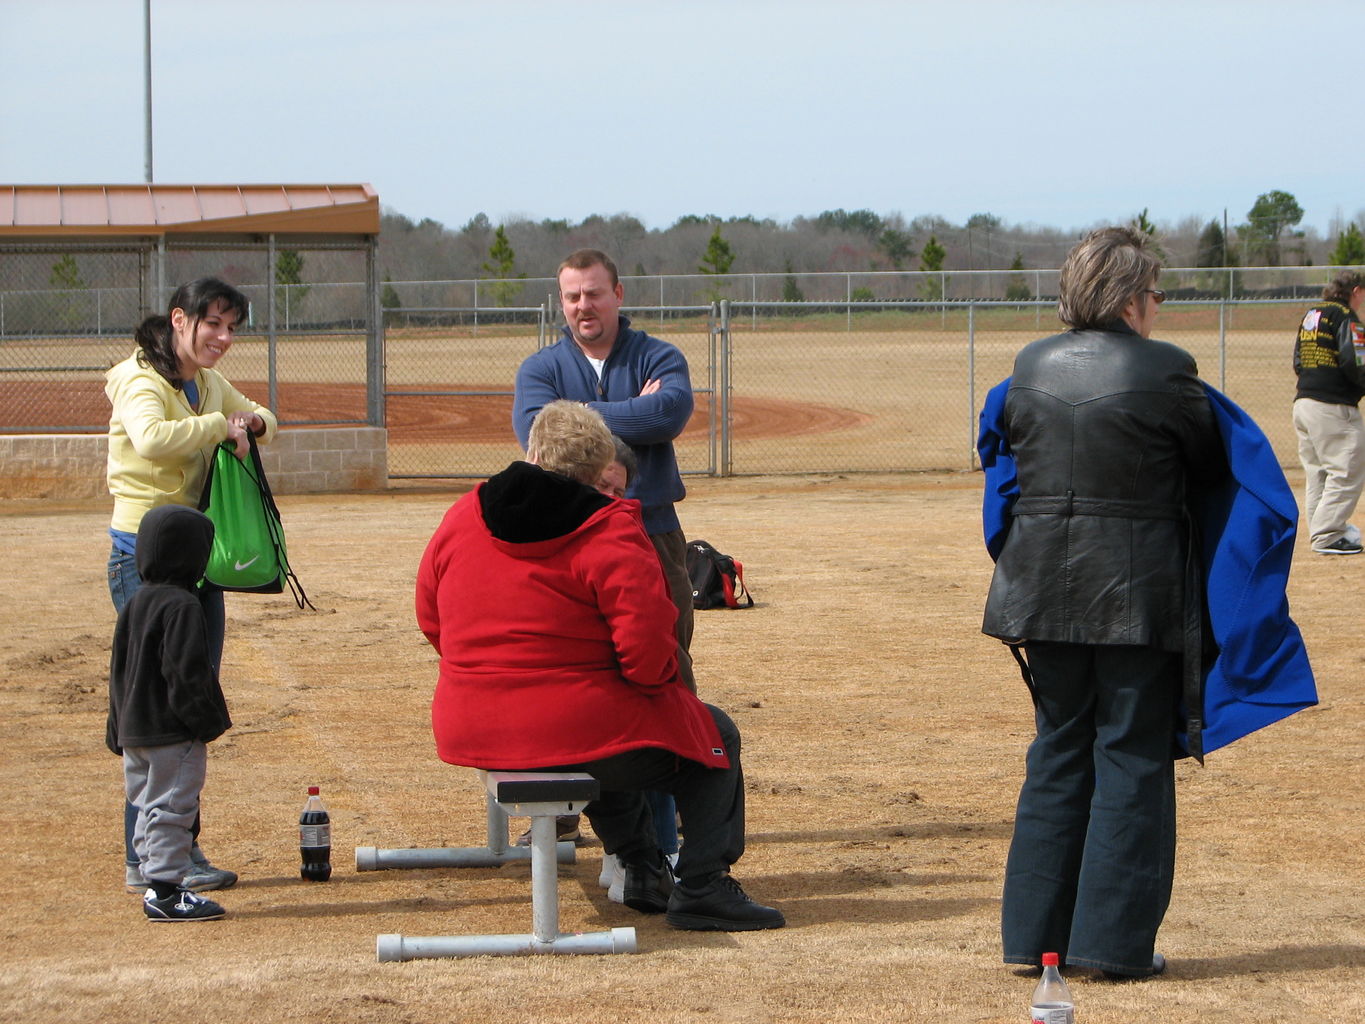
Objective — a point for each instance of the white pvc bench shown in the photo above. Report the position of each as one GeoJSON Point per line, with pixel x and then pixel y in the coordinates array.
{"type": "Point", "coordinates": [541, 796]}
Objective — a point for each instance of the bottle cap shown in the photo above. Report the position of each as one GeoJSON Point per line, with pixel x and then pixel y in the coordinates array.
{"type": "Point", "coordinates": [1049, 959]}
{"type": "Point", "coordinates": [313, 791]}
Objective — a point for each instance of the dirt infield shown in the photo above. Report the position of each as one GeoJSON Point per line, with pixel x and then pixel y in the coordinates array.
{"type": "Point", "coordinates": [883, 736]}
{"type": "Point", "coordinates": [474, 418]}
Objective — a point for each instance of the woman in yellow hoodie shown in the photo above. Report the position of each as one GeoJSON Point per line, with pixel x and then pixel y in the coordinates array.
{"type": "Point", "coordinates": [171, 408]}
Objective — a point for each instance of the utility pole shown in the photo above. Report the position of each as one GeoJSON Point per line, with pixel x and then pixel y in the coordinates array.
{"type": "Point", "coordinates": [147, 76]}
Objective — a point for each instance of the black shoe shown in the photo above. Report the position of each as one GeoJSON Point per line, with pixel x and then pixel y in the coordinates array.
{"type": "Point", "coordinates": [720, 905]}
{"type": "Point", "coordinates": [1340, 546]}
{"type": "Point", "coordinates": [181, 905]}
{"type": "Point", "coordinates": [1158, 967]}
{"type": "Point", "coordinates": [647, 886]}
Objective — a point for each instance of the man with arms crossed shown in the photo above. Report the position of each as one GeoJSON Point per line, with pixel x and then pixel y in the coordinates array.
{"type": "Point", "coordinates": [640, 386]}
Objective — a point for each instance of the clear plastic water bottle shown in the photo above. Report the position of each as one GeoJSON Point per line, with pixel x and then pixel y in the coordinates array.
{"type": "Point", "coordinates": [315, 839]}
{"type": "Point", "coordinates": [1051, 1002]}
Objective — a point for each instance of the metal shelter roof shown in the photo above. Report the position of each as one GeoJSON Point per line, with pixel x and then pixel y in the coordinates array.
{"type": "Point", "coordinates": [123, 211]}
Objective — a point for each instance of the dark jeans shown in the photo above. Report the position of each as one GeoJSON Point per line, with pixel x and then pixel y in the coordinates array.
{"type": "Point", "coordinates": [672, 550]}
{"type": "Point", "coordinates": [124, 581]}
{"type": "Point", "coordinates": [710, 802]}
{"type": "Point", "coordinates": [1091, 863]}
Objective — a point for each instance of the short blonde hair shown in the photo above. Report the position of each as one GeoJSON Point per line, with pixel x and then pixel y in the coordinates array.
{"type": "Point", "coordinates": [572, 440]}
{"type": "Point", "coordinates": [1102, 273]}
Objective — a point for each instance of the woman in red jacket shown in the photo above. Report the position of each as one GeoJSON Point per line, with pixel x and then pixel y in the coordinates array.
{"type": "Point", "coordinates": [547, 605]}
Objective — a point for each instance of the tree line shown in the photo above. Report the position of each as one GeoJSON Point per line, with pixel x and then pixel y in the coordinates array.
{"type": "Point", "coordinates": [836, 241]}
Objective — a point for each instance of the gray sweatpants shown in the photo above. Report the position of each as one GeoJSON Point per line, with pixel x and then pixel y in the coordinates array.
{"type": "Point", "coordinates": [164, 784]}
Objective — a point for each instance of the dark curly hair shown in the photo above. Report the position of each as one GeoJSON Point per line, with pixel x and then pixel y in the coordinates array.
{"type": "Point", "coordinates": [156, 337]}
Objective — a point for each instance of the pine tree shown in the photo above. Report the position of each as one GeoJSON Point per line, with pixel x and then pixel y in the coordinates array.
{"type": "Point", "coordinates": [1017, 290]}
{"type": "Point", "coordinates": [1350, 250]}
{"type": "Point", "coordinates": [716, 262]}
{"type": "Point", "coordinates": [66, 275]}
{"type": "Point", "coordinates": [718, 257]}
{"type": "Point", "coordinates": [289, 288]}
{"type": "Point", "coordinates": [1142, 224]}
{"type": "Point", "coordinates": [791, 291]}
{"type": "Point", "coordinates": [503, 268]}
{"type": "Point", "coordinates": [1213, 248]}
{"type": "Point", "coordinates": [931, 259]}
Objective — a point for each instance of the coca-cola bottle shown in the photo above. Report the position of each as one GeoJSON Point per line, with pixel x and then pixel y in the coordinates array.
{"type": "Point", "coordinates": [315, 839]}
{"type": "Point", "coordinates": [1051, 1002]}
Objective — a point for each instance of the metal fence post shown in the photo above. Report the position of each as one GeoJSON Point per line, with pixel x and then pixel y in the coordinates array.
{"type": "Point", "coordinates": [159, 303]}
{"type": "Point", "coordinates": [971, 384]}
{"type": "Point", "coordinates": [375, 342]}
{"type": "Point", "coordinates": [1222, 345]}
{"type": "Point", "coordinates": [272, 379]}
{"type": "Point", "coordinates": [726, 465]}
{"type": "Point", "coordinates": [712, 375]}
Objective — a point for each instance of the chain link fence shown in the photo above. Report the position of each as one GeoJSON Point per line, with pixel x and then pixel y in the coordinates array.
{"type": "Point", "coordinates": [794, 373]}
{"type": "Point", "coordinates": [68, 312]}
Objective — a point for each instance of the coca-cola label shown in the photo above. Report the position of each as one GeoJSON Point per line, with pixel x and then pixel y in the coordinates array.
{"type": "Point", "coordinates": [1053, 1013]}
{"type": "Point", "coordinates": [315, 835]}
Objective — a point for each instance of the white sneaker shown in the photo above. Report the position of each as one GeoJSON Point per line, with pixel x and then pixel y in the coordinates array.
{"type": "Point", "coordinates": [613, 878]}
{"type": "Point", "coordinates": [610, 865]}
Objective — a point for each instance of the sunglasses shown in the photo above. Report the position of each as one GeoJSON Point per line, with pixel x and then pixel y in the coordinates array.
{"type": "Point", "coordinates": [1157, 294]}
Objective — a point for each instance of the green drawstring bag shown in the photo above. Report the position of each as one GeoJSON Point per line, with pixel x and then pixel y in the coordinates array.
{"type": "Point", "coordinates": [248, 538]}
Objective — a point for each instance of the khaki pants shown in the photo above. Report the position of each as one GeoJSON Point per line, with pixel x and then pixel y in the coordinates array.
{"type": "Point", "coordinates": [1332, 450]}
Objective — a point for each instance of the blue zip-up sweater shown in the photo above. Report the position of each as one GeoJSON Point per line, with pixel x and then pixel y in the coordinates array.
{"type": "Point", "coordinates": [647, 423]}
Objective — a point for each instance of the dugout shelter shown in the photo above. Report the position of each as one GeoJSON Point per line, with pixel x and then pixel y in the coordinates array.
{"type": "Point", "coordinates": [82, 265]}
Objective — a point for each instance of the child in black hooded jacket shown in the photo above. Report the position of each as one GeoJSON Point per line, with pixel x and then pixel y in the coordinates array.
{"type": "Point", "coordinates": [165, 705]}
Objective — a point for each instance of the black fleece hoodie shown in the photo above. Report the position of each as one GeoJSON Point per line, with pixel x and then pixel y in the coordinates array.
{"type": "Point", "coordinates": [524, 504]}
{"type": "Point", "coordinates": [162, 685]}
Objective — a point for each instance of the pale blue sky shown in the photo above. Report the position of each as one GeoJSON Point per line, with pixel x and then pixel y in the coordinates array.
{"type": "Point", "coordinates": [1062, 114]}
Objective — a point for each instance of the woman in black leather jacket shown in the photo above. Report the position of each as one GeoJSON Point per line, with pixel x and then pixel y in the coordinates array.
{"type": "Point", "coordinates": [1105, 426]}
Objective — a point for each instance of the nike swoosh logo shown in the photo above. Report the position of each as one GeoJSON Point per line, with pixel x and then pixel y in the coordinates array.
{"type": "Point", "coordinates": [239, 566]}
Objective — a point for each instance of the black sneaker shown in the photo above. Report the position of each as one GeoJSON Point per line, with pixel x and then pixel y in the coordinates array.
{"type": "Point", "coordinates": [1158, 967]}
{"type": "Point", "coordinates": [181, 905]}
{"type": "Point", "coordinates": [719, 906]}
{"type": "Point", "coordinates": [647, 887]}
{"type": "Point", "coordinates": [1340, 546]}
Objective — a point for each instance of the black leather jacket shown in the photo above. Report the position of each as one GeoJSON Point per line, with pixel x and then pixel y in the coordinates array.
{"type": "Point", "coordinates": [1105, 427]}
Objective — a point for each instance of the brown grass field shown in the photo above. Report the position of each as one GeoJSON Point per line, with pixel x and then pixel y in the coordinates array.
{"type": "Point", "coordinates": [884, 739]}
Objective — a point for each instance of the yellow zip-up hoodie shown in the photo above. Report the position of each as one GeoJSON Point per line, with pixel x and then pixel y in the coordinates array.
{"type": "Point", "coordinates": [159, 446]}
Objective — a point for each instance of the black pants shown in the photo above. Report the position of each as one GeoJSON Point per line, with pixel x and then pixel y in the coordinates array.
{"type": "Point", "coordinates": [1091, 864]}
{"type": "Point", "coordinates": [710, 802]}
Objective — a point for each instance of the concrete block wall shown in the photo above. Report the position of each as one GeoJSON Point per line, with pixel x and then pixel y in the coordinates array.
{"type": "Point", "coordinates": [302, 461]}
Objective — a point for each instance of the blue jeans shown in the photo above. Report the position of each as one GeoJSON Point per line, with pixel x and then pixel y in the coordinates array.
{"type": "Point", "coordinates": [124, 582]}
{"type": "Point", "coordinates": [1091, 863]}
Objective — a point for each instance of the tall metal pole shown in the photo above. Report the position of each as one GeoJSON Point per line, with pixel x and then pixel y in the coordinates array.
{"type": "Point", "coordinates": [147, 75]}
